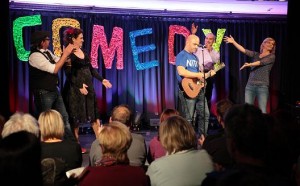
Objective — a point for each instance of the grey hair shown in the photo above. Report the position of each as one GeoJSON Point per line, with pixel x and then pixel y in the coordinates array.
{"type": "Point", "coordinates": [21, 122]}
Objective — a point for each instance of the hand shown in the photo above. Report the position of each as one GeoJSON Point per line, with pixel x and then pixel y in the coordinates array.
{"type": "Point", "coordinates": [229, 39]}
{"type": "Point", "coordinates": [106, 83]}
{"type": "Point", "coordinates": [212, 73]}
{"type": "Point", "coordinates": [69, 49]}
{"type": "Point", "coordinates": [194, 29]}
{"type": "Point", "coordinates": [200, 76]}
{"type": "Point", "coordinates": [201, 140]}
{"type": "Point", "coordinates": [218, 167]}
{"type": "Point", "coordinates": [245, 65]}
{"type": "Point", "coordinates": [68, 62]}
{"type": "Point", "coordinates": [83, 90]}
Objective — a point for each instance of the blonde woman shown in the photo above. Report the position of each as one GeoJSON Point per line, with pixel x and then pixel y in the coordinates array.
{"type": "Point", "coordinates": [183, 164]}
{"type": "Point", "coordinates": [54, 146]}
{"type": "Point", "coordinates": [261, 65]}
{"type": "Point", "coordinates": [156, 150]}
{"type": "Point", "coordinates": [114, 169]}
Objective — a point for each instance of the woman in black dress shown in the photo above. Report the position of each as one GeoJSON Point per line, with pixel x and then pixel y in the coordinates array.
{"type": "Point", "coordinates": [79, 93]}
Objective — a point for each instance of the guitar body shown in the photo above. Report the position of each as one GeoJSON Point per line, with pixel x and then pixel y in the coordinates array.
{"type": "Point", "coordinates": [191, 87]}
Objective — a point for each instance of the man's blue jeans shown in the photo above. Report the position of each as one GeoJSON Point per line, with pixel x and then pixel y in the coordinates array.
{"type": "Point", "coordinates": [194, 110]}
{"type": "Point", "coordinates": [261, 92]}
{"type": "Point", "coordinates": [45, 100]}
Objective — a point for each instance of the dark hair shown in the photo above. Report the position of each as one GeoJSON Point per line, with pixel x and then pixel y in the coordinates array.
{"type": "Point", "coordinates": [70, 33]}
{"type": "Point", "coordinates": [167, 113]}
{"type": "Point", "coordinates": [20, 159]}
{"type": "Point", "coordinates": [223, 106]}
{"type": "Point", "coordinates": [36, 39]}
{"type": "Point", "coordinates": [246, 125]}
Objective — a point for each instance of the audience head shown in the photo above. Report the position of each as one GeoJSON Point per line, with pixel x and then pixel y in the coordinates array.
{"type": "Point", "coordinates": [19, 122]}
{"type": "Point", "coordinates": [284, 135]}
{"type": "Point", "coordinates": [123, 114]}
{"type": "Point", "coordinates": [222, 107]}
{"type": "Point", "coordinates": [20, 159]}
{"type": "Point", "coordinates": [246, 132]}
{"type": "Point", "coordinates": [115, 139]}
{"type": "Point", "coordinates": [168, 113]}
{"type": "Point", "coordinates": [177, 134]}
{"type": "Point", "coordinates": [51, 125]}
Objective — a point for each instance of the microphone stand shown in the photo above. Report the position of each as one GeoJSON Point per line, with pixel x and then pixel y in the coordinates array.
{"type": "Point", "coordinates": [203, 69]}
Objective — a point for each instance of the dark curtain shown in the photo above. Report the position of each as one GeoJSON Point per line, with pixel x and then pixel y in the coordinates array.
{"type": "Point", "coordinates": [152, 90]}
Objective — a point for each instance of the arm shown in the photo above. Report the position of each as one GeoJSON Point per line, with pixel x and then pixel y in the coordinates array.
{"type": "Point", "coordinates": [199, 75]}
{"type": "Point", "coordinates": [67, 51]}
{"type": "Point", "coordinates": [194, 29]}
{"type": "Point", "coordinates": [185, 73]}
{"type": "Point", "coordinates": [254, 64]}
{"type": "Point", "coordinates": [215, 56]}
{"type": "Point", "coordinates": [230, 39]}
{"type": "Point", "coordinates": [95, 74]}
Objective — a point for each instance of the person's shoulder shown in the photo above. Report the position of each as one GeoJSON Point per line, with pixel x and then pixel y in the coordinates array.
{"type": "Point", "coordinates": [154, 139]}
{"type": "Point", "coordinates": [273, 55]}
{"type": "Point", "coordinates": [95, 142]}
{"type": "Point", "coordinates": [182, 52]}
{"type": "Point", "coordinates": [35, 53]}
{"type": "Point", "coordinates": [137, 136]}
{"type": "Point", "coordinates": [95, 145]}
{"type": "Point", "coordinates": [70, 143]}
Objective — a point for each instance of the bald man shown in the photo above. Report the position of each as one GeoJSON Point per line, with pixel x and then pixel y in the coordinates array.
{"type": "Point", "coordinates": [192, 108]}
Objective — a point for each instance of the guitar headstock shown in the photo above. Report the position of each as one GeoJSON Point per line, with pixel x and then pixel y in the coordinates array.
{"type": "Point", "coordinates": [218, 66]}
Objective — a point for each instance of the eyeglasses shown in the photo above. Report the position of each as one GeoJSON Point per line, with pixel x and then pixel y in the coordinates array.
{"type": "Point", "coordinates": [47, 39]}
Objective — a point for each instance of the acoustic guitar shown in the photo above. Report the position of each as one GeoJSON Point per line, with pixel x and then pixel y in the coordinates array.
{"type": "Point", "coordinates": [192, 86]}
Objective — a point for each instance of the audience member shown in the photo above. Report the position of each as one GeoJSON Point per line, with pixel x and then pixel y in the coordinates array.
{"type": "Point", "coordinates": [183, 164]}
{"type": "Point", "coordinates": [2, 122]}
{"type": "Point", "coordinates": [297, 172]}
{"type": "Point", "coordinates": [246, 130]}
{"type": "Point", "coordinates": [21, 122]}
{"type": "Point", "coordinates": [66, 153]}
{"type": "Point", "coordinates": [137, 151]}
{"type": "Point", "coordinates": [156, 150]}
{"type": "Point", "coordinates": [20, 159]}
{"type": "Point", "coordinates": [284, 142]}
{"type": "Point", "coordinates": [114, 169]}
{"type": "Point", "coordinates": [215, 144]}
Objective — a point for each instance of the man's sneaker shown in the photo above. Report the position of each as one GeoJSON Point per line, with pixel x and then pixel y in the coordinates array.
{"type": "Point", "coordinates": [83, 150]}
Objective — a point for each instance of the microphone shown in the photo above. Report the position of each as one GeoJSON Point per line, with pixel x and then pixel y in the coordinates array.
{"type": "Point", "coordinates": [202, 46]}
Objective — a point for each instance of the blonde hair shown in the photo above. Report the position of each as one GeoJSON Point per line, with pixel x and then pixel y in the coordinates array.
{"type": "Point", "coordinates": [21, 122]}
{"type": "Point", "coordinates": [115, 139]}
{"type": "Point", "coordinates": [266, 40]}
{"type": "Point", "coordinates": [177, 134]}
{"type": "Point", "coordinates": [51, 125]}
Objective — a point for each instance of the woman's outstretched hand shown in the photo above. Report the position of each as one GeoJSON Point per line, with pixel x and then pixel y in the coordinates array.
{"type": "Point", "coordinates": [106, 83]}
